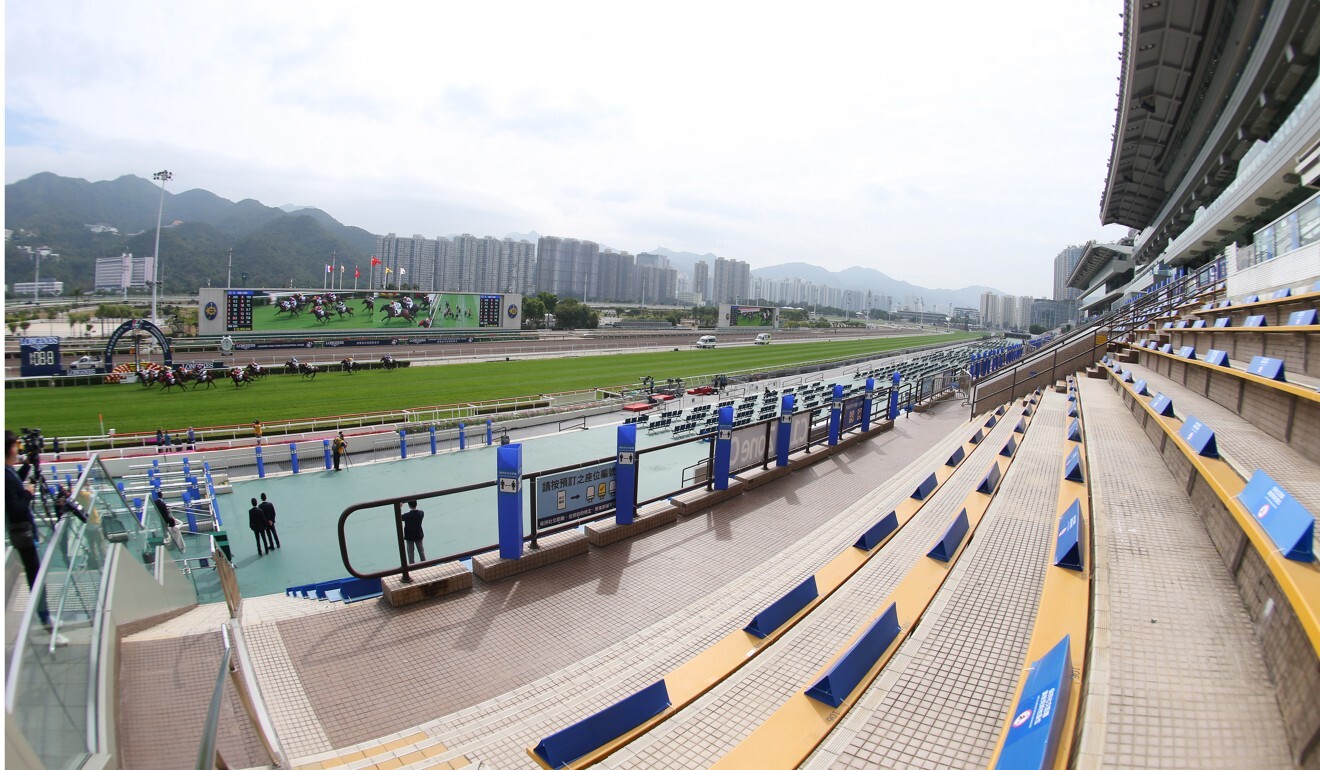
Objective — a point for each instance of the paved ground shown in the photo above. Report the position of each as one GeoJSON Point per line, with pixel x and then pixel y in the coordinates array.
{"type": "Point", "coordinates": [1187, 684]}
{"type": "Point", "coordinates": [1177, 675]}
{"type": "Point", "coordinates": [338, 678]}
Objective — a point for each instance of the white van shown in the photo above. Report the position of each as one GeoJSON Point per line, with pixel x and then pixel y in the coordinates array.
{"type": "Point", "coordinates": [762, 339]}
{"type": "Point", "coordinates": [706, 341]}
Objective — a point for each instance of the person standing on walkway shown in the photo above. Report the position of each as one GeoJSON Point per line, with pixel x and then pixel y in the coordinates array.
{"type": "Point", "coordinates": [257, 523]}
{"type": "Point", "coordinates": [268, 508]}
{"type": "Point", "coordinates": [192, 439]}
{"type": "Point", "coordinates": [412, 531]}
{"type": "Point", "coordinates": [172, 531]}
{"type": "Point", "coordinates": [22, 525]}
{"type": "Point", "coordinates": [339, 448]}
{"type": "Point", "coordinates": [257, 430]}
{"type": "Point", "coordinates": [160, 440]}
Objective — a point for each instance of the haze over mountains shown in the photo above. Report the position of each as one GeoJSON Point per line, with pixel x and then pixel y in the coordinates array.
{"type": "Point", "coordinates": [273, 245]}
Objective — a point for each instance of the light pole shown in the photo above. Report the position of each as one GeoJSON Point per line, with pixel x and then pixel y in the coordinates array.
{"type": "Point", "coordinates": [162, 177]}
{"type": "Point", "coordinates": [229, 274]}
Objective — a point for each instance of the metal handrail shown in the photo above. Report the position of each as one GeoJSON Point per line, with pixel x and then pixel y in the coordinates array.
{"type": "Point", "coordinates": [208, 756]}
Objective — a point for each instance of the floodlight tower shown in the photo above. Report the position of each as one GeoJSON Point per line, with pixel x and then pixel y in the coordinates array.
{"type": "Point", "coordinates": [162, 177]}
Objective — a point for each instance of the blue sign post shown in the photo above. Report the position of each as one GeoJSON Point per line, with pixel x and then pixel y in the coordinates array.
{"type": "Point", "coordinates": [508, 472]}
{"type": "Point", "coordinates": [784, 433]}
{"type": "Point", "coordinates": [432, 432]}
{"type": "Point", "coordinates": [293, 458]}
{"type": "Point", "coordinates": [325, 449]}
{"type": "Point", "coordinates": [261, 467]}
{"type": "Point", "coordinates": [462, 436]}
{"type": "Point", "coordinates": [723, 447]}
{"type": "Point", "coordinates": [893, 396]}
{"type": "Point", "coordinates": [869, 404]}
{"type": "Point", "coordinates": [403, 444]}
{"type": "Point", "coordinates": [490, 431]}
{"type": "Point", "coordinates": [836, 414]}
{"type": "Point", "coordinates": [625, 475]}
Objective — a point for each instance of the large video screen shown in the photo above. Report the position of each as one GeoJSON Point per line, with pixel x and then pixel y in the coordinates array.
{"type": "Point", "coordinates": [268, 310]}
{"type": "Point", "coordinates": [748, 315]}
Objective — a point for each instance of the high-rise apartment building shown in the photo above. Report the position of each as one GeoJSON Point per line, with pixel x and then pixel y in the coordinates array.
{"type": "Point", "coordinates": [731, 282]}
{"type": "Point", "coordinates": [701, 279]}
{"type": "Point", "coordinates": [1064, 264]}
{"type": "Point", "coordinates": [463, 263]}
{"type": "Point", "coordinates": [567, 267]}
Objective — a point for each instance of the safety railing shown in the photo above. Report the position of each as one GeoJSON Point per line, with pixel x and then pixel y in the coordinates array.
{"type": "Point", "coordinates": [810, 430]}
{"type": "Point", "coordinates": [236, 668]}
{"type": "Point", "coordinates": [1115, 326]}
{"type": "Point", "coordinates": [445, 414]}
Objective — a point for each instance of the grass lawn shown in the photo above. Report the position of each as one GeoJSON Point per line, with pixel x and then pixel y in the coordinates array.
{"type": "Point", "coordinates": [74, 411]}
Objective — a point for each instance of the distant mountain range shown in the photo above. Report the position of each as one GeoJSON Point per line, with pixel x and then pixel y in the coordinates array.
{"type": "Point", "coordinates": [274, 246]}
{"type": "Point", "coordinates": [271, 245]}
{"type": "Point", "coordinates": [862, 278]}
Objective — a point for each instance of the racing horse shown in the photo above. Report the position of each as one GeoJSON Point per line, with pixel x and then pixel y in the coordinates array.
{"type": "Point", "coordinates": [168, 379]}
{"type": "Point", "coordinates": [292, 366]}
{"type": "Point", "coordinates": [309, 371]}
{"type": "Point", "coordinates": [396, 310]}
{"type": "Point", "coordinates": [343, 309]}
{"type": "Point", "coordinates": [388, 363]}
{"type": "Point", "coordinates": [254, 371]}
{"type": "Point", "coordinates": [204, 377]}
{"type": "Point", "coordinates": [348, 365]}
{"type": "Point", "coordinates": [369, 304]}
{"type": "Point", "coordinates": [321, 314]}
{"type": "Point", "coordinates": [290, 306]}
{"type": "Point", "coordinates": [240, 377]}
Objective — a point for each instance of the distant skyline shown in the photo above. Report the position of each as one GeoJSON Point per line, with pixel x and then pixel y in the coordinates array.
{"type": "Point", "coordinates": [943, 145]}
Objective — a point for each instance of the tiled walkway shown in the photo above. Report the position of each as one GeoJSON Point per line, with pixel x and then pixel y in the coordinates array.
{"type": "Point", "coordinates": [364, 671]}
{"type": "Point", "coordinates": [479, 677]}
{"type": "Point", "coordinates": [699, 735]}
{"type": "Point", "coordinates": [1187, 685]}
{"type": "Point", "coordinates": [956, 676]}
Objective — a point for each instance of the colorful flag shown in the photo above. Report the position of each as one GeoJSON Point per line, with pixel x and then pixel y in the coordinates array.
{"type": "Point", "coordinates": [403, 271]}
{"type": "Point", "coordinates": [388, 271]}
{"type": "Point", "coordinates": [341, 269]}
{"type": "Point", "coordinates": [356, 273]}
{"type": "Point", "coordinates": [374, 261]}
{"type": "Point", "coordinates": [327, 268]}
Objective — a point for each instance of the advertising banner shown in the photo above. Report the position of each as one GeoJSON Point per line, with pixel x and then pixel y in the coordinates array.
{"type": "Point", "coordinates": [574, 494]}
{"type": "Point", "coordinates": [798, 436]}
{"type": "Point", "coordinates": [748, 316]}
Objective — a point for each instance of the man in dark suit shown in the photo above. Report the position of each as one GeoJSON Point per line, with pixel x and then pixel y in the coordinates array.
{"type": "Point", "coordinates": [257, 523]}
{"type": "Point", "coordinates": [268, 508]}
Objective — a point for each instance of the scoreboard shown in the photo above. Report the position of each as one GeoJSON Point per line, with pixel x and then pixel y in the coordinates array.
{"type": "Point", "coordinates": [238, 310]}
{"type": "Point", "coordinates": [488, 311]}
{"type": "Point", "coordinates": [39, 356]}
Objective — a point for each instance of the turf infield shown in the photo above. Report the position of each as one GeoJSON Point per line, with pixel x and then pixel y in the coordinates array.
{"type": "Point", "coordinates": [75, 411]}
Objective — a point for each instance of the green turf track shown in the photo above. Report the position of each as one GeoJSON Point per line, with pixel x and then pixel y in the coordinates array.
{"type": "Point", "coordinates": [131, 408]}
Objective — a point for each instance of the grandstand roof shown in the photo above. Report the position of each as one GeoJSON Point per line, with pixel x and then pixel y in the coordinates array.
{"type": "Point", "coordinates": [1201, 82]}
{"type": "Point", "coordinates": [1093, 260]}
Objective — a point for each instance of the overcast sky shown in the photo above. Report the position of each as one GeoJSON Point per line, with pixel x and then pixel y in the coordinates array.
{"type": "Point", "coordinates": [946, 144]}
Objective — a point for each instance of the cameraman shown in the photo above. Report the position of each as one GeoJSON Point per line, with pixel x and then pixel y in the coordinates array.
{"type": "Point", "coordinates": [22, 525]}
